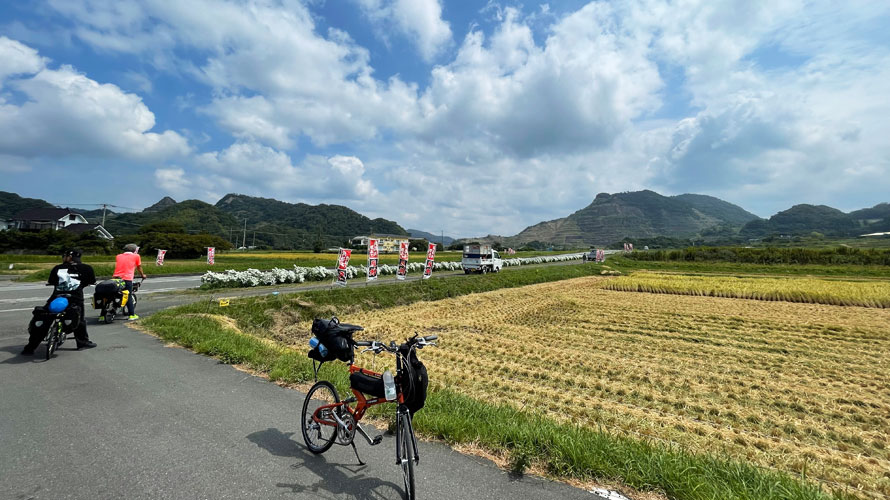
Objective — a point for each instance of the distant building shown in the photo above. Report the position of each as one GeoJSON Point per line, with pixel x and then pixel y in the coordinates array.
{"type": "Point", "coordinates": [6, 224]}
{"type": "Point", "coordinates": [39, 219]}
{"type": "Point", "coordinates": [85, 228]}
{"type": "Point", "coordinates": [386, 243]}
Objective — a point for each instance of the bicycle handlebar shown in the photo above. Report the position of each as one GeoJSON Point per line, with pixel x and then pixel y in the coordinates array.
{"type": "Point", "coordinates": [377, 347]}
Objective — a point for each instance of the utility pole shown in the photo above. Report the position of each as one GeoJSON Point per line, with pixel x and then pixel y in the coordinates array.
{"type": "Point", "coordinates": [244, 238]}
{"type": "Point", "coordinates": [104, 207]}
{"type": "Point", "coordinates": [254, 239]}
{"type": "Point", "coordinates": [442, 241]}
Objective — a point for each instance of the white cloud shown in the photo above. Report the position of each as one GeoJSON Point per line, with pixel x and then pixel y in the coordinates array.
{"type": "Point", "coordinates": [419, 20]}
{"type": "Point", "coordinates": [172, 180]}
{"type": "Point", "coordinates": [577, 92]}
{"type": "Point", "coordinates": [66, 113]}
{"type": "Point", "coordinates": [260, 170]}
{"type": "Point", "coordinates": [18, 59]}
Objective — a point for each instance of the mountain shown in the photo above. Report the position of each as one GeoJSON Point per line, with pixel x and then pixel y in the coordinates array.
{"type": "Point", "coordinates": [298, 225]}
{"type": "Point", "coordinates": [805, 219]}
{"type": "Point", "coordinates": [639, 214]}
{"type": "Point", "coordinates": [435, 238]}
{"type": "Point", "coordinates": [802, 220]}
{"type": "Point", "coordinates": [730, 214]}
{"type": "Point", "coordinates": [195, 215]}
{"type": "Point", "coordinates": [11, 204]}
{"type": "Point", "coordinates": [165, 202]}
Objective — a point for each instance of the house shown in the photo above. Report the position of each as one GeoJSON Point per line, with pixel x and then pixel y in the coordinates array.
{"type": "Point", "coordinates": [84, 228]}
{"type": "Point", "coordinates": [39, 219]}
{"type": "Point", "coordinates": [6, 224]}
{"type": "Point", "coordinates": [386, 243]}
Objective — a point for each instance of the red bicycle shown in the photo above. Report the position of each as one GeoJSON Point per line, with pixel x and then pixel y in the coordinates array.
{"type": "Point", "coordinates": [327, 420]}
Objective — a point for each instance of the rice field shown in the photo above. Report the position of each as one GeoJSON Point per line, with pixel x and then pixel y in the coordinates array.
{"type": "Point", "coordinates": [801, 388]}
{"type": "Point", "coordinates": [869, 293]}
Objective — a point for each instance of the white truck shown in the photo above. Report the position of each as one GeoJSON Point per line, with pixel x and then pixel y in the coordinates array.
{"type": "Point", "coordinates": [481, 259]}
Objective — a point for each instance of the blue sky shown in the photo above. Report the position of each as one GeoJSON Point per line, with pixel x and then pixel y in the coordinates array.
{"type": "Point", "coordinates": [467, 117]}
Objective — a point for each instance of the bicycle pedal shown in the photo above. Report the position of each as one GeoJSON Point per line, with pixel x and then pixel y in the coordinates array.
{"type": "Point", "coordinates": [377, 439]}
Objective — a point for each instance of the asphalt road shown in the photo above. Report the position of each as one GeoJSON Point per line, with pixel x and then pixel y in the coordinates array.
{"type": "Point", "coordinates": [134, 419]}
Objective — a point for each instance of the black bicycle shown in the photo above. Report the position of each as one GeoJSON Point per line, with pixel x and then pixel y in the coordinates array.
{"type": "Point", "coordinates": [327, 420]}
{"type": "Point", "coordinates": [60, 324]}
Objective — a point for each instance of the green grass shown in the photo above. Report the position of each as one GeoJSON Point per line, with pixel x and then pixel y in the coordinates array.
{"type": "Point", "coordinates": [566, 450]}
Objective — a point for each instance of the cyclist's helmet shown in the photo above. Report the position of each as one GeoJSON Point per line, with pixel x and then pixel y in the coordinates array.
{"type": "Point", "coordinates": [74, 253]}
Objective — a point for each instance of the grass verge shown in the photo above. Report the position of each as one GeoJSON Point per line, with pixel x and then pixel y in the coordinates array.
{"type": "Point", "coordinates": [567, 450]}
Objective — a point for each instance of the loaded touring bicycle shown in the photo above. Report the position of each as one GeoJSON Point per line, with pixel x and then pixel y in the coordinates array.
{"type": "Point", "coordinates": [327, 420]}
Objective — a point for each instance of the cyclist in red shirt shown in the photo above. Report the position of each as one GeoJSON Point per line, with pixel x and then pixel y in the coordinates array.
{"type": "Point", "coordinates": [125, 266]}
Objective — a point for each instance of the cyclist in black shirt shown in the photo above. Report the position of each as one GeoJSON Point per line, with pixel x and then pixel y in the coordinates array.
{"type": "Point", "coordinates": [70, 277]}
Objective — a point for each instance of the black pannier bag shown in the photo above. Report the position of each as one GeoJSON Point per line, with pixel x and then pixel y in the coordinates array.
{"type": "Point", "coordinates": [108, 291]}
{"type": "Point", "coordinates": [109, 288]}
{"type": "Point", "coordinates": [40, 321]}
{"type": "Point", "coordinates": [367, 383]}
{"type": "Point", "coordinates": [415, 381]}
{"type": "Point", "coordinates": [336, 337]}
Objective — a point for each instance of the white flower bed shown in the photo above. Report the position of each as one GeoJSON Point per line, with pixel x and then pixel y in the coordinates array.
{"type": "Point", "coordinates": [256, 277]}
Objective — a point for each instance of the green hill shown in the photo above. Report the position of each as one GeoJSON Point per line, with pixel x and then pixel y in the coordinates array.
{"type": "Point", "coordinates": [11, 204]}
{"type": "Point", "coordinates": [195, 215]}
{"type": "Point", "coordinates": [640, 214]}
{"type": "Point", "coordinates": [728, 213]}
{"type": "Point", "coordinates": [298, 225]}
{"type": "Point", "coordinates": [802, 220]}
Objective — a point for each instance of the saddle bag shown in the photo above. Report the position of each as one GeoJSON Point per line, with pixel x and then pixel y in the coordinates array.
{"type": "Point", "coordinates": [366, 382]}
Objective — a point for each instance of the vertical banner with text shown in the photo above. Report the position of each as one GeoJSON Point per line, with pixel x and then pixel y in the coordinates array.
{"type": "Point", "coordinates": [211, 254]}
{"type": "Point", "coordinates": [430, 257]}
{"type": "Point", "coordinates": [161, 254]}
{"type": "Point", "coordinates": [342, 264]}
{"type": "Point", "coordinates": [373, 255]}
{"type": "Point", "coordinates": [403, 260]}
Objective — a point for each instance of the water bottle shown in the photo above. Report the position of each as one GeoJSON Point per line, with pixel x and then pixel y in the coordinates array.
{"type": "Point", "coordinates": [314, 342]}
{"type": "Point", "coordinates": [389, 386]}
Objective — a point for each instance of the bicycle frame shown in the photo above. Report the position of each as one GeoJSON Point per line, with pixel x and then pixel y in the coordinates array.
{"type": "Point", "coordinates": [362, 405]}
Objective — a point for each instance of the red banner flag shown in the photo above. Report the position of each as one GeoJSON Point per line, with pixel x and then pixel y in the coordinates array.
{"type": "Point", "coordinates": [161, 254]}
{"type": "Point", "coordinates": [403, 260]}
{"type": "Point", "coordinates": [430, 257]}
{"type": "Point", "coordinates": [342, 264]}
{"type": "Point", "coordinates": [211, 253]}
{"type": "Point", "coordinates": [373, 255]}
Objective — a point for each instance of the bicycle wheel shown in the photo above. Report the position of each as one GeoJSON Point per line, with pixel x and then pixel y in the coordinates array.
{"type": "Point", "coordinates": [319, 437]}
{"type": "Point", "coordinates": [52, 338]}
{"type": "Point", "coordinates": [406, 454]}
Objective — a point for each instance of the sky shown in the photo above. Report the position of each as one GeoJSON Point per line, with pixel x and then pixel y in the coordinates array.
{"type": "Point", "coordinates": [470, 118]}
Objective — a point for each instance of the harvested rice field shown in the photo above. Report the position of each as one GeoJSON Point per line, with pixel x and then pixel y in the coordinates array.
{"type": "Point", "coordinates": [866, 293]}
{"type": "Point", "coordinates": [802, 388]}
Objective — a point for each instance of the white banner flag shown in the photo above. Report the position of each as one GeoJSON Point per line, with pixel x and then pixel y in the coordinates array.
{"type": "Point", "coordinates": [430, 257]}
{"type": "Point", "coordinates": [373, 255]}
{"type": "Point", "coordinates": [403, 260]}
{"type": "Point", "coordinates": [161, 254]}
{"type": "Point", "coordinates": [211, 253]}
{"type": "Point", "coordinates": [342, 266]}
